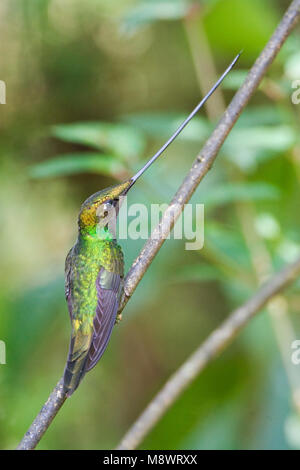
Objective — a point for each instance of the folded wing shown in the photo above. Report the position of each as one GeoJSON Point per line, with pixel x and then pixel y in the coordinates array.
{"type": "Point", "coordinates": [108, 285]}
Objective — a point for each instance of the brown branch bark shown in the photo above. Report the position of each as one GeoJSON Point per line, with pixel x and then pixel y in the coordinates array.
{"type": "Point", "coordinates": [199, 169]}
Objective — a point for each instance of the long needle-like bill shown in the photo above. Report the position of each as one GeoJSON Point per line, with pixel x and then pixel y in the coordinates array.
{"type": "Point", "coordinates": [185, 122]}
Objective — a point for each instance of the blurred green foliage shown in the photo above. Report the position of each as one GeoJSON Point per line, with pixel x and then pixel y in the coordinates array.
{"type": "Point", "coordinates": [93, 88]}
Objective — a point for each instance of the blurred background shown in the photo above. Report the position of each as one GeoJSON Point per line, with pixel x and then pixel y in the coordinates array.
{"type": "Point", "coordinates": [93, 89]}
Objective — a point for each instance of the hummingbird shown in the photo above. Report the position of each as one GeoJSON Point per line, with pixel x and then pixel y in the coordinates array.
{"type": "Point", "coordinates": [94, 270]}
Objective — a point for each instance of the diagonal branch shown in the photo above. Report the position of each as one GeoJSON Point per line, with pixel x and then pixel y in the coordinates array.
{"type": "Point", "coordinates": [199, 169]}
{"type": "Point", "coordinates": [208, 154]}
{"type": "Point", "coordinates": [216, 342]}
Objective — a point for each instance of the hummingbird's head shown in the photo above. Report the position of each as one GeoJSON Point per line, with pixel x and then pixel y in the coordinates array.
{"type": "Point", "coordinates": [99, 208]}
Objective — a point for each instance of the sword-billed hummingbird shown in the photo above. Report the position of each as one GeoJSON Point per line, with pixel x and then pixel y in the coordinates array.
{"type": "Point", "coordinates": [94, 271]}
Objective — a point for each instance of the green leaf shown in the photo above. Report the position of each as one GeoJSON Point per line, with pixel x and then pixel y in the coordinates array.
{"type": "Point", "coordinates": [73, 163]}
{"type": "Point", "coordinates": [230, 192]}
{"type": "Point", "coordinates": [121, 139]}
{"type": "Point", "coordinates": [162, 125]}
{"type": "Point", "coordinates": [149, 11]}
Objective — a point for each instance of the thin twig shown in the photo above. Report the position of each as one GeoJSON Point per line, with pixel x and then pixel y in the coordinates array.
{"type": "Point", "coordinates": [212, 347]}
{"type": "Point", "coordinates": [199, 169]}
